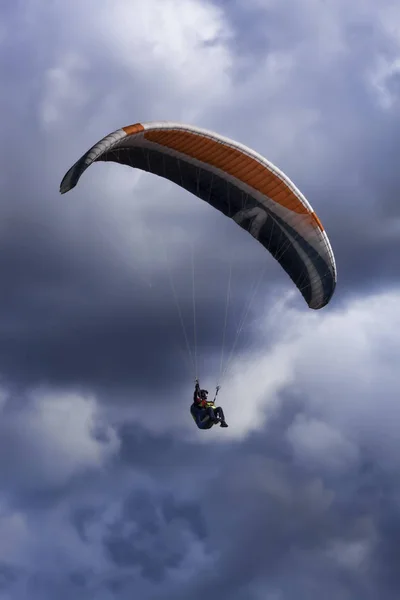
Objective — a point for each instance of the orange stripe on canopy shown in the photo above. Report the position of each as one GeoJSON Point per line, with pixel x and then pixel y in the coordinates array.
{"type": "Point", "coordinates": [232, 161]}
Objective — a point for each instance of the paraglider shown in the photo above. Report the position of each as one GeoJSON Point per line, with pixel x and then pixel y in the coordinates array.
{"type": "Point", "coordinates": [204, 411]}
{"type": "Point", "coordinates": [238, 182]}
{"type": "Point", "coordinates": [235, 180]}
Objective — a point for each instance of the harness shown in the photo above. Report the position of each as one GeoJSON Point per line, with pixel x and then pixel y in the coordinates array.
{"type": "Point", "coordinates": [205, 404]}
{"type": "Point", "coordinates": [202, 405]}
{"type": "Point", "coordinates": [206, 422]}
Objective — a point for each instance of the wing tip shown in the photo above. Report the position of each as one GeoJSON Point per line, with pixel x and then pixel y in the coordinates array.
{"type": "Point", "coordinates": [325, 301]}
{"type": "Point", "coordinates": [66, 185]}
{"type": "Point", "coordinates": [70, 179]}
{"type": "Point", "coordinates": [65, 188]}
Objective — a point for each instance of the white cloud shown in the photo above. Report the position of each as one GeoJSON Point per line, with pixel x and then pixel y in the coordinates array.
{"type": "Point", "coordinates": [385, 71]}
{"type": "Point", "coordinates": [382, 74]}
{"type": "Point", "coordinates": [172, 54]}
{"type": "Point", "coordinates": [342, 364]}
{"type": "Point", "coordinates": [184, 38]}
{"type": "Point", "coordinates": [319, 444]}
{"type": "Point", "coordinates": [352, 555]}
{"type": "Point", "coordinates": [64, 90]}
{"type": "Point", "coordinates": [53, 438]}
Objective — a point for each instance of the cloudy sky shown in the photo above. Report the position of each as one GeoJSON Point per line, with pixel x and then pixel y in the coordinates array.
{"type": "Point", "coordinates": [107, 490]}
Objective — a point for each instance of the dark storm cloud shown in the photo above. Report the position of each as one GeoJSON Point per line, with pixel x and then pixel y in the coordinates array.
{"type": "Point", "coordinates": [84, 321]}
{"type": "Point", "coordinates": [73, 311]}
{"type": "Point", "coordinates": [270, 525]}
{"type": "Point", "coordinates": [72, 314]}
{"type": "Point", "coordinates": [284, 529]}
{"type": "Point", "coordinates": [153, 535]}
{"type": "Point", "coordinates": [165, 458]}
{"type": "Point", "coordinates": [8, 575]}
{"type": "Point", "coordinates": [167, 518]}
{"type": "Point", "coordinates": [267, 522]}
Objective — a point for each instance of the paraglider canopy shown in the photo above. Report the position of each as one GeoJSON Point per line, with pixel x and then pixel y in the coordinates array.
{"type": "Point", "coordinates": [238, 182]}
